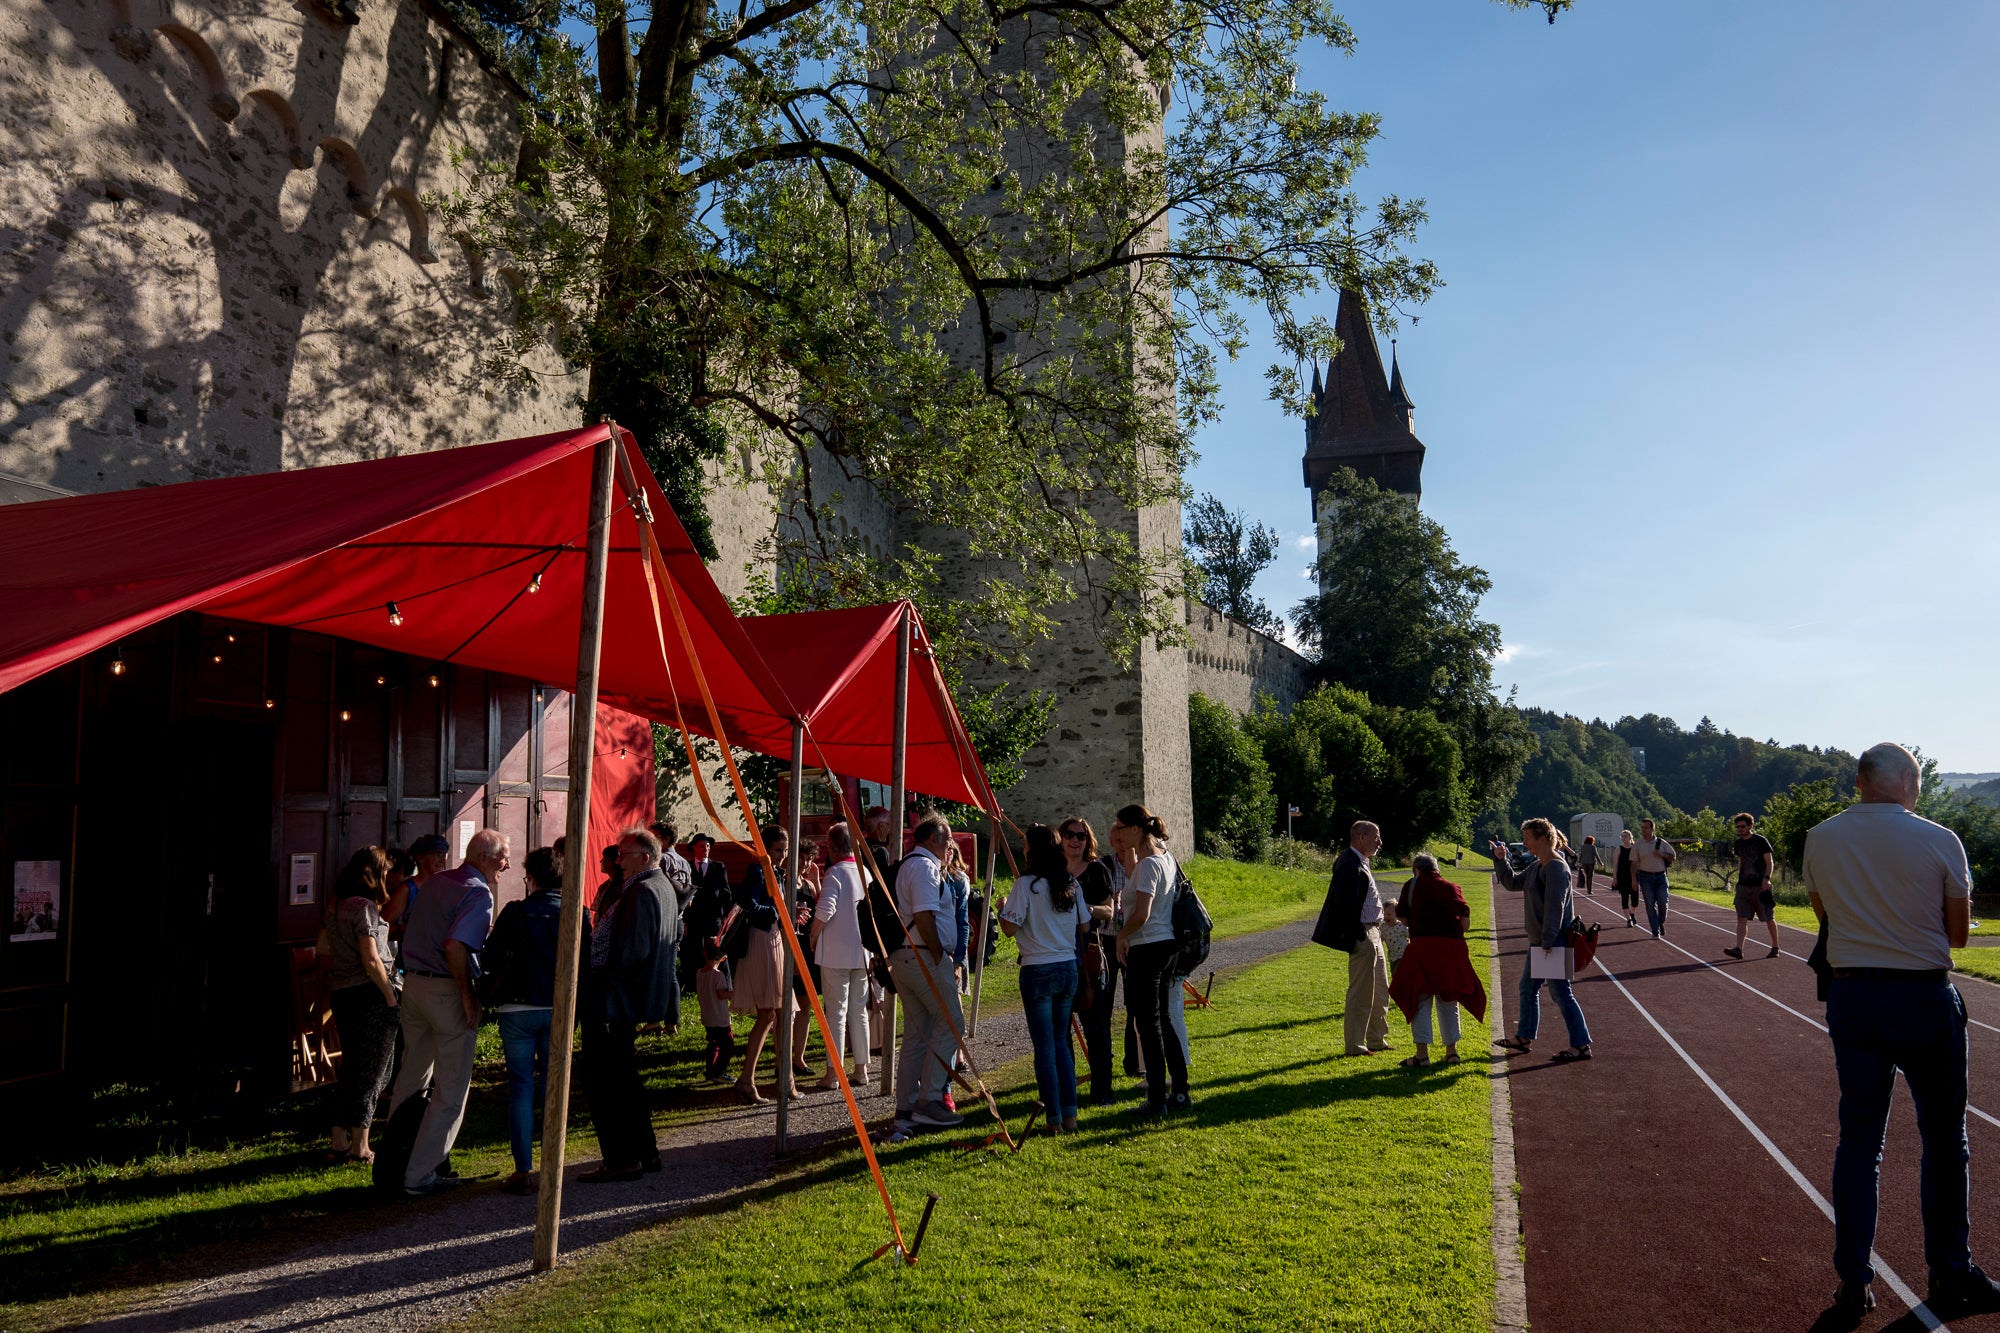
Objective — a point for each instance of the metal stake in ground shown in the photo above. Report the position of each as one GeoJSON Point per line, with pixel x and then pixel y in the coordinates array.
{"type": "Point", "coordinates": [569, 935]}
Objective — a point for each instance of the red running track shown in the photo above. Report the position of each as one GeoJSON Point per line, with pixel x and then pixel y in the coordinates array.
{"type": "Point", "coordinates": [1679, 1180]}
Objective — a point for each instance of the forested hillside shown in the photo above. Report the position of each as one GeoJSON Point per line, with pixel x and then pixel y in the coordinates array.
{"type": "Point", "coordinates": [1713, 768]}
{"type": "Point", "coordinates": [1578, 766]}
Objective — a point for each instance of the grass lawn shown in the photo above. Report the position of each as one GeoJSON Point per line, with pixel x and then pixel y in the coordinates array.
{"type": "Point", "coordinates": [1304, 1191]}
{"type": "Point", "coordinates": [157, 1195]}
{"type": "Point", "coordinates": [1978, 962]}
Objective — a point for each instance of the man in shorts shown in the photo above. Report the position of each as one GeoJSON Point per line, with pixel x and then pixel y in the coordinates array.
{"type": "Point", "coordinates": [1754, 899]}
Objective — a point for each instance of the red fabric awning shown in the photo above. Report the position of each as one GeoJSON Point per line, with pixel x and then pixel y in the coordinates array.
{"type": "Point", "coordinates": [455, 538]}
{"type": "Point", "coordinates": [839, 669]}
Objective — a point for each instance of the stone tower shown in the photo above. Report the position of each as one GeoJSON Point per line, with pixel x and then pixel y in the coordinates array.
{"type": "Point", "coordinates": [1362, 417]}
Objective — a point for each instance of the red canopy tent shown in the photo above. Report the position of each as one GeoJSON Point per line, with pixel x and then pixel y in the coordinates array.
{"type": "Point", "coordinates": [475, 556]}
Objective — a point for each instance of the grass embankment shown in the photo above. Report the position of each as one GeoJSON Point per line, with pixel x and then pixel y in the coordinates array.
{"type": "Point", "coordinates": [159, 1195]}
{"type": "Point", "coordinates": [1304, 1191]}
{"type": "Point", "coordinates": [1982, 961]}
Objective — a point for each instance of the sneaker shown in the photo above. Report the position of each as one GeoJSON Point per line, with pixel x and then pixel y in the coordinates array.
{"type": "Point", "coordinates": [950, 1103]}
{"type": "Point", "coordinates": [1631, 921]}
{"type": "Point", "coordinates": [1853, 1299]}
{"type": "Point", "coordinates": [1148, 1111]}
{"type": "Point", "coordinates": [1732, 953]}
{"type": "Point", "coordinates": [1968, 1292]}
{"type": "Point", "coordinates": [1774, 952]}
{"type": "Point", "coordinates": [935, 1114]}
{"type": "Point", "coordinates": [1180, 1101]}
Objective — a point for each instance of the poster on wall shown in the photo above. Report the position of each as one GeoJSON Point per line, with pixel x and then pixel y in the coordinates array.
{"type": "Point", "coordinates": [37, 900]}
{"type": "Point", "coordinates": [304, 881]}
{"type": "Point", "coordinates": [466, 828]}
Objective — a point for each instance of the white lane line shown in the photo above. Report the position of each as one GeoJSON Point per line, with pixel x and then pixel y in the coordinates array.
{"type": "Point", "coordinates": [1803, 1017]}
{"type": "Point", "coordinates": [1882, 1270]}
{"type": "Point", "coordinates": [1730, 930]}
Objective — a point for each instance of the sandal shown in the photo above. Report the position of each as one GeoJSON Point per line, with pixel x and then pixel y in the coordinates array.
{"type": "Point", "coordinates": [1573, 1053]}
{"type": "Point", "coordinates": [366, 1159]}
{"type": "Point", "coordinates": [1454, 1059]}
{"type": "Point", "coordinates": [1514, 1044]}
{"type": "Point", "coordinates": [1415, 1062]}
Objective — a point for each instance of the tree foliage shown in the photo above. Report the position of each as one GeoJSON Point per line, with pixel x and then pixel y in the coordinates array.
{"type": "Point", "coordinates": [1709, 765]}
{"type": "Point", "coordinates": [1340, 757]}
{"type": "Point", "coordinates": [1790, 814]}
{"type": "Point", "coordinates": [952, 251]}
{"type": "Point", "coordinates": [1229, 552]}
{"type": "Point", "coordinates": [1232, 783]}
{"type": "Point", "coordinates": [1578, 767]}
{"type": "Point", "coordinates": [1396, 616]}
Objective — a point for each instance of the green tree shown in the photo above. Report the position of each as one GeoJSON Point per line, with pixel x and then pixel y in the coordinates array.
{"type": "Point", "coordinates": [1791, 814]}
{"type": "Point", "coordinates": [1232, 783]}
{"type": "Point", "coordinates": [1578, 767]}
{"type": "Point", "coordinates": [1229, 552]}
{"type": "Point", "coordinates": [1339, 758]}
{"type": "Point", "coordinates": [1396, 617]}
{"type": "Point", "coordinates": [954, 250]}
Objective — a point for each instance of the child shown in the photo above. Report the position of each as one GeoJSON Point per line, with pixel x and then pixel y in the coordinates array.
{"type": "Point", "coordinates": [712, 986]}
{"type": "Point", "coordinates": [1395, 936]}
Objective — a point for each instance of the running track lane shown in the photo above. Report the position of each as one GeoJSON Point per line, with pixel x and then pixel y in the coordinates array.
{"type": "Point", "coordinates": [1647, 1201]}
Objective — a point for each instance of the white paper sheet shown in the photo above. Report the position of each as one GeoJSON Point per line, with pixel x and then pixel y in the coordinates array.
{"type": "Point", "coordinates": [1552, 963]}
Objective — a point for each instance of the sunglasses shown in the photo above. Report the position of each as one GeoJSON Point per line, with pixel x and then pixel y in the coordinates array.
{"type": "Point", "coordinates": [1074, 835]}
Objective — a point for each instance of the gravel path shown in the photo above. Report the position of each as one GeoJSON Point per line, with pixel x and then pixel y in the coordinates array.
{"type": "Point", "coordinates": [449, 1254]}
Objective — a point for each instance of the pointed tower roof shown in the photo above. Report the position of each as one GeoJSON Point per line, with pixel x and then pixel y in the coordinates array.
{"type": "Point", "coordinates": [1363, 420]}
{"type": "Point", "coordinates": [1399, 397]}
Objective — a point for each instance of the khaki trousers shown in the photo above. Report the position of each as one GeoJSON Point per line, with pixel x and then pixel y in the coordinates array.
{"type": "Point", "coordinates": [1366, 1025]}
{"type": "Point", "coordinates": [437, 1046]}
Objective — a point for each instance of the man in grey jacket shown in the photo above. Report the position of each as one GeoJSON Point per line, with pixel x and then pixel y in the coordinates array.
{"type": "Point", "coordinates": [631, 982]}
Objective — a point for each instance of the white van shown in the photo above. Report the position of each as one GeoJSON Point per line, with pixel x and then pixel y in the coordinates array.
{"type": "Point", "coordinates": [1604, 828]}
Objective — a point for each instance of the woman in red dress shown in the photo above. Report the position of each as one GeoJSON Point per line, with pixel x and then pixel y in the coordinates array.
{"type": "Point", "coordinates": [1436, 970]}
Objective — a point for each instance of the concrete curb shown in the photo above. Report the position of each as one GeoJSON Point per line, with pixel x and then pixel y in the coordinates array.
{"type": "Point", "coordinates": [1510, 1270]}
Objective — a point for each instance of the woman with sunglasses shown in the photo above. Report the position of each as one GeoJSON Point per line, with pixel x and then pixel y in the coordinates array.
{"type": "Point", "coordinates": [1093, 882]}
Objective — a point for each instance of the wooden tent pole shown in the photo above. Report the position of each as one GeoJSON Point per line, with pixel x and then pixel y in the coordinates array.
{"type": "Point", "coordinates": [577, 861]}
{"type": "Point", "coordinates": [899, 752]}
{"type": "Point", "coordinates": [792, 830]}
{"type": "Point", "coordinates": [978, 944]}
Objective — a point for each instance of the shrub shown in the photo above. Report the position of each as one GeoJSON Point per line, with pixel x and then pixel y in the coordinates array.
{"type": "Point", "coordinates": [1233, 804]}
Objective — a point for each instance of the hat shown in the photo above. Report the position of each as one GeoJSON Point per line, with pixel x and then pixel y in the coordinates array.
{"type": "Point", "coordinates": [431, 844]}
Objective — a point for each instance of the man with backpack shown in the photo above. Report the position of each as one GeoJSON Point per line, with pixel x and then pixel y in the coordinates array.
{"type": "Point", "coordinates": [1351, 921]}
{"type": "Point", "coordinates": [921, 966]}
{"type": "Point", "coordinates": [1651, 855]}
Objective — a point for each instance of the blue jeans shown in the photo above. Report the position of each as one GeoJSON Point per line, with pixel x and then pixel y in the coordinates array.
{"type": "Point", "coordinates": [1565, 998]}
{"type": "Point", "coordinates": [1879, 1027]}
{"type": "Point", "coordinates": [1046, 992]}
{"type": "Point", "coordinates": [524, 1040]}
{"type": "Point", "coordinates": [1653, 893]}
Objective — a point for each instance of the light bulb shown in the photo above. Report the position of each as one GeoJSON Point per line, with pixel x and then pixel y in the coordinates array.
{"type": "Point", "coordinates": [118, 663]}
{"type": "Point", "coordinates": [345, 715]}
{"type": "Point", "coordinates": [395, 616]}
{"type": "Point", "coordinates": [218, 658]}
{"type": "Point", "coordinates": [381, 680]}
{"type": "Point", "coordinates": [270, 703]}
{"type": "Point", "coordinates": [434, 681]}
{"type": "Point", "coordinates": [535, 583]}
{"type": "Point", "coordinates": [231, 638]}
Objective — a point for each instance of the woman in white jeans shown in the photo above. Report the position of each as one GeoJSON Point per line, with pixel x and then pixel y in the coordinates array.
{"type": "Point", "coordinates": [843, 962]}
{"type": "Point", "coordinates": [1436, 970]}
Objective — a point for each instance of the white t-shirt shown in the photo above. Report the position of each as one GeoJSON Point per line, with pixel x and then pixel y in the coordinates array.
{"type": "Point", "coordinates": [1156, 877]}
{"type": "Point", "coordinates": [1045, 933]}
{"type": "Point", "coordinates": [1650, 856]}
{"type": "Point", "coordinates": [1883, 873]}
{"type": "Point", "coordinates": [840, 906]}
{"type": "Point", "coordinates": [920, 888]}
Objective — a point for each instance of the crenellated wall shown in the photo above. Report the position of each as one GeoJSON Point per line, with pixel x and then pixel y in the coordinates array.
{"type": "Point", "coordinates": [1232, 664]}
{"type": "Point", "coordinates": [215, 251]}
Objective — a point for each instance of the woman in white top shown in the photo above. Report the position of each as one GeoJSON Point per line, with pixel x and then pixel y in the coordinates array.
{"type": "Point", "coordinates": [843, 961]}
{"type": "Point", "coordinates": [1046, 916]}
{"type": "Point", "coordinates": [1146, 948]}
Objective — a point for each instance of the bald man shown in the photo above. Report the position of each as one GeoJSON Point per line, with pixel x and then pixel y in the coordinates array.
{"type": "Point", "coordinates": [440, 1012]}
{"type": "Point", "coordinates": [1351, 920]}
{"type": "Point", "coordinates": [1894, 893]}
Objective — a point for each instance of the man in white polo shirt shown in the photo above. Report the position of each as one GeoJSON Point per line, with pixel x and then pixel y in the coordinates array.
{"type": "Point", "coordinates": [1895, 893]}
{"type": "Point", "coordinates": [922, 969]}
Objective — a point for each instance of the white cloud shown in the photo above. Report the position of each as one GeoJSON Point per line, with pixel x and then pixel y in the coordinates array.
{"type": "Point", "coordinates": [1305, 542]}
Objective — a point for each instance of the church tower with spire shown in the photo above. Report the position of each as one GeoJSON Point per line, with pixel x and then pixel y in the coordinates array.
{"type": "Point", "coordinates": [1362, 417]}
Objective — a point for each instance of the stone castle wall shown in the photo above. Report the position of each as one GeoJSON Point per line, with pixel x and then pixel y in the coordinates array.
{"type": "Point", "coordinates": [1232, 664]}
{"type": "Point", "coordinates": [218, 258]}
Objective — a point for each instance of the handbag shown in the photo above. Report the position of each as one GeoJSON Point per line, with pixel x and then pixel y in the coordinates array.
{"type": "Point", "coordinates": [1089, 976]}
{"type": "Point", "coordinates": [1582, 941]}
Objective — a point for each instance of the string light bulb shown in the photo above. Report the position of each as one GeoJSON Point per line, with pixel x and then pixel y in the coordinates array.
{"type": "Point", "coordinates": [218, 659]}
{"type": "Point", "coordinates": [230, 638]}
{"type": "Point", "coordinates": [395, 615]}
{"type": "Point", "coordinates": [270, 703]}
{"type": "Point", "coordinates": [117, 661]}
{"type": "Point", "coordinates": [434, 681]}
{"type": "Point", "coordinates": [381, 680]}
{"type": "Point", "coordinates": [535, 583]}
{"type": "Point", "coordinates": [345, 716]}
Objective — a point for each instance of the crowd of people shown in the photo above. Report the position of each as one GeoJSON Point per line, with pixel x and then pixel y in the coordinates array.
{"type": "Point", "coordinates": [415, 957]}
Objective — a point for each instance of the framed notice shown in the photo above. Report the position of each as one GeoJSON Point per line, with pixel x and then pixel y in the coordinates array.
{"type": "Point", "coordinates": [304, 882]}
{"type": "Point", "coordinates": [36, 910]}
{"type": "Point", "coordinates": [466, 828]}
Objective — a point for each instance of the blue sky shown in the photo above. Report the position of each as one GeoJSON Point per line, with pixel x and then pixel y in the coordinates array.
{"type": "Point", "coordinates": [1708, 390]}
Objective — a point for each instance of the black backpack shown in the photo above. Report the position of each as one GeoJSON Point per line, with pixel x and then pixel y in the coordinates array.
{"type": "Point", "coordinates": [1192, 926]}
{"type": "Point", "coordinates": [889, 932]}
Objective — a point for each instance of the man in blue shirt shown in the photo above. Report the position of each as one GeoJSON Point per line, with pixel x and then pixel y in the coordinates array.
{"type": "Point", "coordinates": [440, 1011]}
